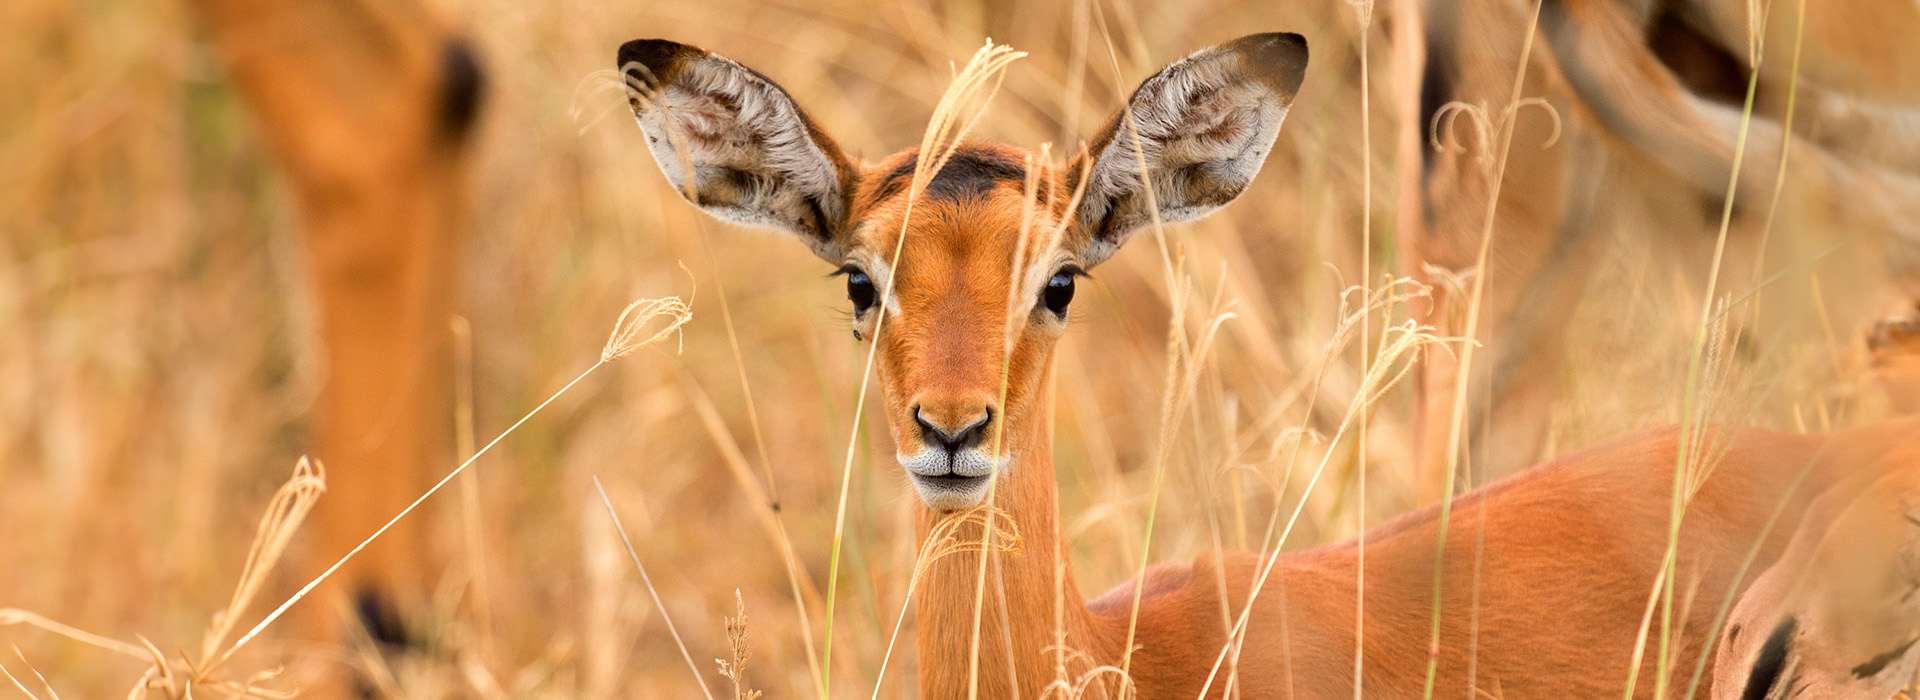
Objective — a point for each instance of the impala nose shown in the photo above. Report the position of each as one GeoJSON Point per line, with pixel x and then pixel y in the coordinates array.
{"type": "Point", "coordinates": [953, 435]}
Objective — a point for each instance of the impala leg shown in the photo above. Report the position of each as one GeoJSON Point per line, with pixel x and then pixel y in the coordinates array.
{"type": "Point", "coordinates": [1514, 382]}
{"type": "Point", "coordinates": [1539, 234]}
{"type": "Point", "coordinates": [367, 106]}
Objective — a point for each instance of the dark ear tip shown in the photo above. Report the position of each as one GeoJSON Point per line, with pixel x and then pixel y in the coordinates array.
{"type": "Point", "coordinates": [657, 55]}
{"type": "Point", "coordinates": [1282, 56]}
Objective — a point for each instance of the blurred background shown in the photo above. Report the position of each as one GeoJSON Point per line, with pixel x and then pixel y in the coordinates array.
{"type": "Point", "coordinates": [159, 366]}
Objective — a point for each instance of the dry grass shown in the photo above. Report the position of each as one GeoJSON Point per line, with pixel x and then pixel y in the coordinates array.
{"type": "Point", "coordinates": [157, 363]}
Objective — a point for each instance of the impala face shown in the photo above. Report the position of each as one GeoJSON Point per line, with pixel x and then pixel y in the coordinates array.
{"type": "Point", "coordinates": [966, 306]}
{"type": "Point", "coordinates": [977, 294]}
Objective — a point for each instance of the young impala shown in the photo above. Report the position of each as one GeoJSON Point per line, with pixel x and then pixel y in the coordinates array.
{"type": "Point", "coordinates": [1543, 587]}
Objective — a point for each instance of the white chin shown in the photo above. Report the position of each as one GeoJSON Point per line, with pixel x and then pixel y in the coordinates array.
{"type": "Point", "coordinates": [951, 493]}
{"type": "Point", "coordinates": [950, 482]}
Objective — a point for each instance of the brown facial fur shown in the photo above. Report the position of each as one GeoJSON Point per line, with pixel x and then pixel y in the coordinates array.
{"type": "Point", "coordinates": [958, 264]}
{"type": "Point", "coordinates": [944, 349]}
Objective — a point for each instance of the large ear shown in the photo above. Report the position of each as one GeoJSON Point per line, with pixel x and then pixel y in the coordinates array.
{"type": "Point", "coordinates": [736, 144]}
{"type": "Point", "coordinates": [1204, 127]}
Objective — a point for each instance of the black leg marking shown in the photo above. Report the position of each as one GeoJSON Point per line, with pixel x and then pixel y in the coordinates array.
{"type": "Point", "coordinates": [380, 618]}
{"type": "Point", "coordinates": [1771, 665]}
{"type": "Point", "coordinates": [1879, 663]}
{"type": "Point", "coordinates": [462, 85]}
{"type": "Point", "coordinates": [1705, 68]}
{"type": "Point", "coordinates": [1436, 90]}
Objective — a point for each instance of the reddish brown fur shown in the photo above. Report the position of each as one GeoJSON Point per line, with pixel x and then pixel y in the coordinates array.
{"type": "Point", "coordinates": [373, 142]}
{"type": "Point", "coordinates": [1569, 549]}
{"type": "Point", "coordinates": [958, 256]}
{"type": "Point", "coordinates": [1835, 616]}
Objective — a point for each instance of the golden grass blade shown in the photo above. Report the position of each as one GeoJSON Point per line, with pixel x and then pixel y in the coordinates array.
{"type": "Point", "coordinates": [473, 535]}
{"type": "Point", "coordinates": [771, 490]}
{"type": "Point", "coordinates": [626, 338]}
{"type": "Point", "coordinates": [1177, 289]}
{"type": "Point", "coordinates": [1740, 575]}
{"type": "Point", "coordinates": [1398, 345]}
{"type": "Point", "coordinates": [285, 512]}
{"type": "Point", "coordinates": [16, 681]}
{"type": "Point", "coordinates": [980, 588]}
{"type": "Point", "coordinates": [1780, 173]}
{"type": "Point", "coordinates": [629, 333]}
{"type": "Point", "coordinates": [51, 693]}
{"type": "Point", "coordinates": [974, 85]}
{"type": "Point", "coordinates": [735, 668]}
{"type": "Point", "coordinates": [1693, 417]}
{"type": "Point", "coordinates": [160, 668]}
{"type": "Point", "coordinates": [893, 640]}
{"type": "Point", "coordinates": [1021, 280]}
{"type": "Point", "coordinates": [1456, 427]}
{"type": "Point", "coordinates": [16, 616]}
{"type": "Point", "coordinates": [1364, 10]}
{"type": "Point", "coordinates": [655, 594]}
{"type": "Point", "coordinates": [1773, 208]}
{"type": "Point", "coordinates": [770, 520]}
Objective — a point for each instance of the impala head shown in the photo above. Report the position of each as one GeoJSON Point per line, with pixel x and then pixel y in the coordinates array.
{"type": "Point", "coordinates": [966, 342]}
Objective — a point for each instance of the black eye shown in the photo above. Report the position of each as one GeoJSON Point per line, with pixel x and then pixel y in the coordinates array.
{"type": "Point", "coordinates": [859, 290]}
{"type": "Point", "coordinates": [1059, 291]}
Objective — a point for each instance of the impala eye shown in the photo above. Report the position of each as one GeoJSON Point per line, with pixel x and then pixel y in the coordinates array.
{"type": "Point", "coordinates": [1059, 291]}
{"type": "Point", "coordinates": [859, 289]}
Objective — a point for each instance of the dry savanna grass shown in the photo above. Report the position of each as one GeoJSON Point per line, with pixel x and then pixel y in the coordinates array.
{"type": "Point", "coordinates": [157, 363]}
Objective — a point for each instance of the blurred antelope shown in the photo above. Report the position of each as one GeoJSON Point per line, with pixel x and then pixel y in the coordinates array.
{"type": "Point", "coordinates": [1543, 585]}
{"type": "Point", "coordinates": [1836, 617]}
{"type": "Point", "coordinates": [1647, 91]}
{"type": "Point", "coordinates": [368, 106]}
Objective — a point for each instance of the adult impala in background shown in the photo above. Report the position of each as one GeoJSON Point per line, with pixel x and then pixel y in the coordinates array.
{"type": "Point", "coordinates": [1649, 96]}
{"type": "Point", "coordinates": [368, 107]}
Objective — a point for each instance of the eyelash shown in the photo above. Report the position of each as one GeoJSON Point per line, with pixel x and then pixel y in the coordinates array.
{"type": "Point", "coordinates": [860, 289]}
{"type": "Point", "coordinates": [1057, 298]}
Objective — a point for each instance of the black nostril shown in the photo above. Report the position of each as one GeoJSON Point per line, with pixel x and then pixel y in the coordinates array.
{"type": "Point", "coordinates": [934, 434]}
{"type": "Point", "coordinates": [953, 440]}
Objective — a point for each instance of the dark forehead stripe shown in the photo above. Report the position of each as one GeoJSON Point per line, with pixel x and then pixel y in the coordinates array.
{"type": "Point", "coordinates": [973, 170]}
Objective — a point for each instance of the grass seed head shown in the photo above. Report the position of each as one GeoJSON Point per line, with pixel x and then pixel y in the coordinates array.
{"type": "Point", "coordinates": [630, 332]}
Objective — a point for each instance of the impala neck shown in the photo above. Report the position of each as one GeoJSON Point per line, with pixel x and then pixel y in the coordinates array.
{"type": "Point", "coordinates": [1033, 588]}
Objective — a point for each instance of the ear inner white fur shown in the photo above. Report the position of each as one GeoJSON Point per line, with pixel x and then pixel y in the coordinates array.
{"type": "Point", "coordinates": [749, 153]}
{"type": "Point", "coordinates": [1200, 129]}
